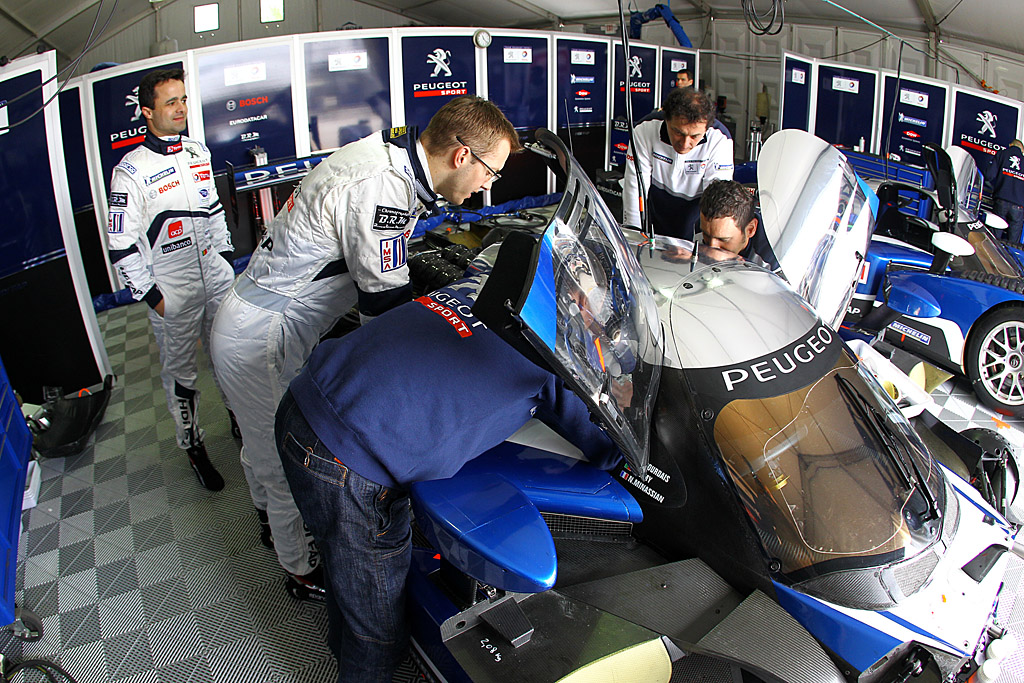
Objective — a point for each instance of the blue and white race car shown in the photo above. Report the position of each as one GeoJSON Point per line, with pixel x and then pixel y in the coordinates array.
{"type": "Point", "coordinates": [967, 287]}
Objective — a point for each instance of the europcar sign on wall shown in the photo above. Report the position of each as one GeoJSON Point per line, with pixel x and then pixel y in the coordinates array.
{"type": "Point", "coordinates": [437, 69]}
{"type": "Point", "coordinates": [120, 125]}
{"type": "Point", "coordinates": [247, 102]}
{"type": "Point", "coordinates": [983, 125]}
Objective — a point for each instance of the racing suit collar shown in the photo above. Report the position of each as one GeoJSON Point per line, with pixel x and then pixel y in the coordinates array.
{"type": "Point", "coordinates": [408, 139]}
{"type": "Point", "coordinates": [667, 141]}
{"type": "Point", "coordinates": [168, 145]}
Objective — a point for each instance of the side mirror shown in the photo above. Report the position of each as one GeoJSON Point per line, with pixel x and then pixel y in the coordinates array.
{"type": "Point", "coordinates": [995, 222]}
{"type": "Point", "coordinates": [947, 245]}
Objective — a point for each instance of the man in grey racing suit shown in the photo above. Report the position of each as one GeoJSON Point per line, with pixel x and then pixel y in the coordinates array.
{"type": "Point", "coordinates": [341, 239]}
{"type": "Point", "coordinates": [170, 244]}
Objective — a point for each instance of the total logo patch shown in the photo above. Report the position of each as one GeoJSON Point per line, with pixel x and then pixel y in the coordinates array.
{"type": "Point", "coordinates": [175, 229]}
{"type": "Point", "coordinates": [201, 176]}
{"type": "Point", "coordinates": [392, 254]}
{"type": "Point", "coordinates": [390, 218]}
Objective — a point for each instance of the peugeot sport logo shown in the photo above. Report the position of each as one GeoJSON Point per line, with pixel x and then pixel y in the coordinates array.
{"type": "Point", "coordinates": [634, 67]}
{"type": "Point", "coordinates": [988, 123]}
{"type": "Point", "coordinates": [439, 58]}
{"type": "Point", "coordinates": [231, 105]}
{"type": "Point", "coordinates": [132, 100]}
{"type": "Point", "coordinates": [1015, 163]}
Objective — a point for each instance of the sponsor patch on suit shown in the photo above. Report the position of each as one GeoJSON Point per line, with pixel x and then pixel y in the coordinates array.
{"type": "Point", "coordinates": [390, 218]}
{"type": "Point", "coordinates": [392, 253]}
{"type": "Point", "coordinates": [119, 199]}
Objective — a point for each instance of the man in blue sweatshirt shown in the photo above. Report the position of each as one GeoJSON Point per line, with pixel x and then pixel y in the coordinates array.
{"type": "Point", "coordinates": [1005, 175]}
{"type": "Point", "coordinates": [369, 415]}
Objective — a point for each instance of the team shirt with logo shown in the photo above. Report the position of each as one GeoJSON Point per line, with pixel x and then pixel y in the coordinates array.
{"type": "Point", "coordinates": [1006, 174]}
{"type": "Point", "coordinates": [675, 181]}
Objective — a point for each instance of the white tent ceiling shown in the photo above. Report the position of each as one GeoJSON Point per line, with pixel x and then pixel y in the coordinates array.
{"type": "Point", "coordinates": [65, 26]}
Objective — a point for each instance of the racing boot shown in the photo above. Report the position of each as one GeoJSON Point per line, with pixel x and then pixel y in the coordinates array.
{"type": "Point", "coordinates": [266, 536]}
{"type": "Point", "coordinates": [236, 431]}
{"type": "Point", "coordinates": [208, 475]}
{"type": "Point", "coordinates": [308, 586]}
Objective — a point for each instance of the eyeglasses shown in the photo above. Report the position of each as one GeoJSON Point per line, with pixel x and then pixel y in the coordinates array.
{"type": "Point", "coordinates": [497, 176]}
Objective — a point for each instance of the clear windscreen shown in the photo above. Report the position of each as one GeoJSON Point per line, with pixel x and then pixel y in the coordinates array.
{"type": "Point", "coordinates": [590, 312]}
{"type": "Point", "coordinates": [832, 472]}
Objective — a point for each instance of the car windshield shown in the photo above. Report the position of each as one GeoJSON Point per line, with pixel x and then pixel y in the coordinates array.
{"type": "Point", "coordinates": [832, 472]}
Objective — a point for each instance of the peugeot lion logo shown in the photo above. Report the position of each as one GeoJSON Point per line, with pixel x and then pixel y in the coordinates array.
{"type": "Point", "coordinates": [132, 100]}
{"type": "Point", "coordinates": [439, 58]}
{"type": "Point", "coordinates": [988, 123]}
{"type": "Point", "coordinates": [634, 67]}
{"type": "Point", "coordinates": [1015, 163]}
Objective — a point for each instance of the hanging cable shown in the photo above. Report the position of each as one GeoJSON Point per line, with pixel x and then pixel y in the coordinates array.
{"type": "Point", "coordinates": [767, 24]}
{"type": "Point", "coordinates": [72, 66]}
{"type": "Point", "coordinates": [641, 193]}
{"type": "Point", "coordinates": [892, 111]}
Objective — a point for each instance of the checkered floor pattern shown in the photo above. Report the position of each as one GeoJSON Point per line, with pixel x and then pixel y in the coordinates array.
{"type": "Point", "coordinates": [141, 575]}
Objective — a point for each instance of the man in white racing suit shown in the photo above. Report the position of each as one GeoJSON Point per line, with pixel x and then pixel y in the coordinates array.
{"type": "Point", "coordinates": [679, 153]}
{"type": "Point", "coordinates": [169, 242]}
{"type": "Point", "coordinates": [341, 239]}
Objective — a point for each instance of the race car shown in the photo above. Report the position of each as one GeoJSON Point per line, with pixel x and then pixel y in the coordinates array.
{"type": "Point", "coordinates": [776, 517]}
{"type": "Point", "coordinates": [973, 322]}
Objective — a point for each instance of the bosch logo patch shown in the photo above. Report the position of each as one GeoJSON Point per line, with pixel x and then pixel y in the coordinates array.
{"type": "Point", "coordinates": [253, 101]}
{"type": "Point", "coordinates": [169, 186]}
{"type": "Point", "coordinates": [175, 229]}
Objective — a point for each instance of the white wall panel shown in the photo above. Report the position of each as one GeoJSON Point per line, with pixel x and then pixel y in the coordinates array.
{"type": "Point", "coordinates": [1006, 76]}
{"type": "Point", "coordinates": [951, 72]}
{"type": "Point", "coordinates": [859, 48]}
{"type": "Point", "coordinates": [914, 60]}
{"type": "Point", "coordinates": [299, 17]}
{"type": "Point", "coordinates": [814, 41]}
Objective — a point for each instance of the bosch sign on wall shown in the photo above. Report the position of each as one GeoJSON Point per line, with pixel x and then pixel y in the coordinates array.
{"type": "Point", "coordinates": [582, 84]}
{"type": "Point", "coordinates": [120, 125]}
{"type": "Point", "coordinates": [672, 62]}
{"type": "Point", "coordinates": [247, 102]}
{"type": "Point", "coordinates": [918, 118]}
{"type": "Point", "coordinates": [983, 126]}
{"type": "Point", "coordinates": [846, 105]}
{"type": "Point", "coordinates": [642, 63]}
{"type": "Point", "coordinates": [437, 69]}
{"type": "Point", "coordinates": [347, 90]}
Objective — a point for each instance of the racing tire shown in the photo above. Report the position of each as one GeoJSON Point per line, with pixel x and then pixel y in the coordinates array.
{"type": "Point", "coordinates": [1013, 284]}
{"type": "Point", "coordinates": [994, 360]}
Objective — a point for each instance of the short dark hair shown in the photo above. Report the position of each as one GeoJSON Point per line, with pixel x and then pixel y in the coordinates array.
{"type": "Point", "coordinates": [479, 123]}
{"type": "Point", "coordinates": [147, 86]}
{"type": "Point", "coordinates": [690, 105]}
{"type": "Point", "coordinates": [728, 199]}
{"type": "Point", "coordinates": [688, 72]}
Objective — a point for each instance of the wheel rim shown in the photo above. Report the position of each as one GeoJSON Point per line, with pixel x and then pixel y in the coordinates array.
{"type": "Point", "coordinates": [1001, 362]}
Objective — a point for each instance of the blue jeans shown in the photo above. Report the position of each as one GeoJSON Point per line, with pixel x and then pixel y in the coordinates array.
{"type": "Point", "coordinates": [1014, 216]}
{"type": "Point", "coordinates": [364, 533]}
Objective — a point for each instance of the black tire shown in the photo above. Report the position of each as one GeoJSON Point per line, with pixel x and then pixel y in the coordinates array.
{"type": "Point", "coordinates": [994, 360]}
{"type": "Point", "coordinates": [31, 627]}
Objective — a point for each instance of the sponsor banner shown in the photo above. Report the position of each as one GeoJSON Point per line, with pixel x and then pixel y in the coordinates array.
{"type": "Point", "coordinates": [348, 61]}
{"type": "Point", "coordinates": [796, 94]}
{"type": "Point", "coordinates": [436, 69]}
{"type": "Point", "coordinates": [983, 126]}
{"type": "Point", "coordinates": [672, 62]}
{"type": "Point", "coordinates": [120, 126]}
{"type": "Point", "coordinates": [581, 63]}
{"type": "Point", "coordinates": [348, 91]}
{"type": "Point", "coordinates": [641, 70]}
{"type": "Point", "coordinates": [519, 86]}
{"type": "Point", "coordinates": [846, 105]}
{"type": "Point", "coordinates": [919, 117]}
{"type": "Point", "coordinates": [247, 100]}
